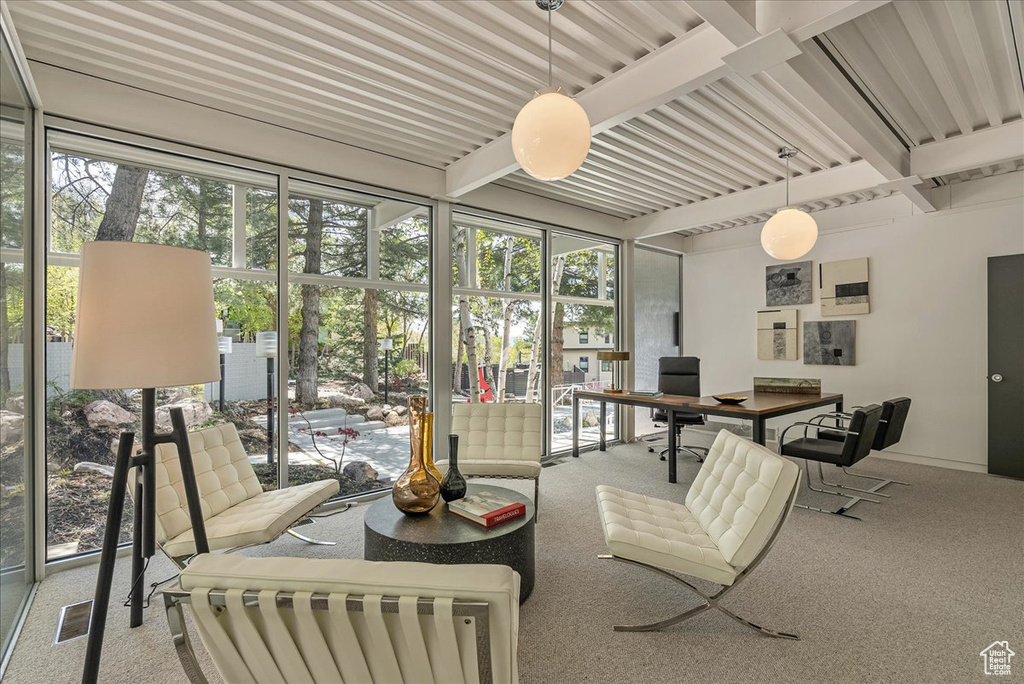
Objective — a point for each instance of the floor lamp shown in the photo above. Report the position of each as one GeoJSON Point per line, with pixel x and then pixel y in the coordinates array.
{"type": "Point", "coordinates": [144, 320]}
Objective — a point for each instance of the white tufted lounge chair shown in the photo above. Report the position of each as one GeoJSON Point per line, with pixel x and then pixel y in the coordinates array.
{"type": "Point", "coordinates": [499, 440]}
{"type": "Point", "coordinates": [327, 621]}
{"type": "Point", "coordinates": [732, 515]}
{"type": "Point", "coordinates": [236, 509]}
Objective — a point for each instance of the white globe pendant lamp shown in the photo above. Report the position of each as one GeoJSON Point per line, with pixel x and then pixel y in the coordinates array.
{"type": "Point", "coordinates": [791, 233]}
{"type": "Point", "coordinates": [551, 133]}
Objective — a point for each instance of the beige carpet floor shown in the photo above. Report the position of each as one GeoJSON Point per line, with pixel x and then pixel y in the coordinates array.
{"type": "Point", "coordinates": [912, 593]}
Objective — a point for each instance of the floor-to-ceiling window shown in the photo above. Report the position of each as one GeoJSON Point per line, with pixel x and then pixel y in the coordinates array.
{"type": "Point", "coordinates": [15, 368]}
{"type": "Point", "coordinates": [358, 333]}
{"type": "Point", "coordinates": [497, 340]}
{"type": "Point", "coordinates": [584, 322]}
{"type": "Point", "coordinates": [101, 190]}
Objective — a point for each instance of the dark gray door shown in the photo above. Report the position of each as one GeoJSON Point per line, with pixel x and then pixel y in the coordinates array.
{"type": "Point", "coordinates": [1006, 365]}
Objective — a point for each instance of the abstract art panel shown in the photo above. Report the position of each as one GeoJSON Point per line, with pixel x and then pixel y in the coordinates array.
{"type": "Point", "coordinates": [830, 343]}
{"type": "Point", "coordinates": [844, 287]}
{"type": "Point", "coordinates": [788, 284]}
{"type": "Point", "coordinates": [776, 335]}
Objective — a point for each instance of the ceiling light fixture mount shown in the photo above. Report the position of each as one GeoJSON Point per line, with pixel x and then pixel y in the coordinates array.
{"type": "Point", "coordinates": [791, 233]}
{"type": "Point", "coordinates": [551, 133]}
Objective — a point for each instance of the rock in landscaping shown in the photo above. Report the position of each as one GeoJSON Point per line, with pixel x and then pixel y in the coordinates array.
{"type": "Point", "coordinates": [196, 412]}
{"type": "Point", "coordinates": [15, 404]}
{"type": "Point", "coordinates": [362, 391]}
{"type": "Point", "coordinates": [90, 467]}
{"type": "Point", "coordinates": [136, 445]}
{"type": "Point", "coordinates": [375, 413]}
{"type": "Point", "coordinates": [392, 419]}
{"type": "Point", "coordinates": [401, 410]}
{"type": "Point", "coordinates": [563, 424]}
{"type": "Point", "coordinates": [359, 471]}
{"type": "Point", "coordinates": [12, 426]}
{"type": "Point", "coordinates": [106, 414]}
{"type": "Point", "coordinates": [386, 408]}
{"type": "Point", "coordinates": [590, 420]}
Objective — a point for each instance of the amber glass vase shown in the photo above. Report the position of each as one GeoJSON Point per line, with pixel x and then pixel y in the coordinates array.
{"type": "Point", "coordinates": [417, 490]}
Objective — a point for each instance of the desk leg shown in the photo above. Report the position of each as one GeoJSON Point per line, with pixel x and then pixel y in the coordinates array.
{"type": "Point", "coordinates": [671, 445]}
{"type": "Point", "coordinates": [759, 430]}
{"type": "Point", "coordinates": [604, 415]}
{"type": "Point", "coordinates": [839, 409]}
{"type": "Point", "coordinates": [575, 426]}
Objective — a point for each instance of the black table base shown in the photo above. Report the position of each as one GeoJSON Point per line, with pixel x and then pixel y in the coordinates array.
{"type": "Point", "coordinates": [445, 538]}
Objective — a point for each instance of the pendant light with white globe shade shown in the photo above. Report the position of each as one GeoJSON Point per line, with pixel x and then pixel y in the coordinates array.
{"type": "Point", "coordinates": [791, 233]}
{"type": "Point", "coordinates": [551, 133]}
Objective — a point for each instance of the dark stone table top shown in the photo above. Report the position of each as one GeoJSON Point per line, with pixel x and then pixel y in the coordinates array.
{"type": "Point", "coordinates": [440, 526]}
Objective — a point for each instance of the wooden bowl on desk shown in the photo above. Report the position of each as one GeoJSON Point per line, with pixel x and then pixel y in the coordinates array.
{"type": "Point", "coordinates": [732, 399]}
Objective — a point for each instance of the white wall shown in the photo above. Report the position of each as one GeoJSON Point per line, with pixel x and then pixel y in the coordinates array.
{"type": "Point", "coordinates": [925, 337]}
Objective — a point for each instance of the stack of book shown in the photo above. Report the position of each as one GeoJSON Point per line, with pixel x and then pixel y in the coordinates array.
{"type": "Point", "coordinates": [654, 394]}
{"type": "Point", "coordinates": [487, 508]}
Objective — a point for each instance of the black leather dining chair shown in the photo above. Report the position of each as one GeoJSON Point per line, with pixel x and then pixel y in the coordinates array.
{"type": "Point", "coordinates": [858, 438]}
{"type": "Point", "coordinates": [680, 375]}
{"type": "Point", "coordinates": [890, 431]}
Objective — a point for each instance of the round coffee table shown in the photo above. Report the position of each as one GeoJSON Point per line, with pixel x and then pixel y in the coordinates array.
{"type": "Point", "coordinates": [445, 538]}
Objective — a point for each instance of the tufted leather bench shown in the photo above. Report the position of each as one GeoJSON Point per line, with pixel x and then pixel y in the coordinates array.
{"type": "Point", "coordinates": [236, 510]}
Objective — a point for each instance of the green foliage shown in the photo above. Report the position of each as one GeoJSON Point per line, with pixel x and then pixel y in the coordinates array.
{"type": "Point", "coordinates": [61, 295]}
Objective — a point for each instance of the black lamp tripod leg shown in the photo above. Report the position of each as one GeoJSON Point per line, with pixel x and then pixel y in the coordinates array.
{"type": "Point", "coordinates": [108, 555]}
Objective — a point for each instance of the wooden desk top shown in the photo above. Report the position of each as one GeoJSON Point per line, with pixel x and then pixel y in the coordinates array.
{"type": "Point", "coordinates": [758, 403]}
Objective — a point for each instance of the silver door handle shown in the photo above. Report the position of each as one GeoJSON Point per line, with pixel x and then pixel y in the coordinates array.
{"type": "Point", "coordinates": [996, 377]}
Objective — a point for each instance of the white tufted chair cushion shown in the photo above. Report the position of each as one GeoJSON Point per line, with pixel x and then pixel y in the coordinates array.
{"type": "Point", "coordinates": [502, 440]}
{"type": "Point", "coordinates": [235, 508]}
{"type": "Point", "coordinates": [730, 511]}
{"type": "Point", "coordinates": [739, 493]}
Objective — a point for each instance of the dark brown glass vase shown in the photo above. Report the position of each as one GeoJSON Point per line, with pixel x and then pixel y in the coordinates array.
{"type": "Point", "coordinates": [417, 490]}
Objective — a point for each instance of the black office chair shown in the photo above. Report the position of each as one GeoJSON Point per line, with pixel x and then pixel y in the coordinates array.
{"type": "Point", "coordinates": [856, 444]}
{"type": "Point", "coordinates": [680, 375]}
{"type": "Point", "coordinates": [890, 431]}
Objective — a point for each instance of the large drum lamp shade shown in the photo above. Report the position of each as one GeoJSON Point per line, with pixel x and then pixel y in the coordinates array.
{"type": "Point", "coordinates": [789, 234]}
{"type": "Point", "coordinates": [145, 318]}
{"type": "Point", "coordinates": [551, 136]}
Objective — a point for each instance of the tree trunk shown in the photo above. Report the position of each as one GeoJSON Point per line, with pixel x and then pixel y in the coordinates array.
{"type": "Point", "coordinates": [533, 376]}
{"type": "Point", "coordinates": [5, 336]}
{"type": "Point", "coordinates": [124, 205]}
{"type": "Point", "coordinates": [488, 368]}
{"type": "Point", "coordinates": [558, 344]}
{"type": "Point", "coordinates": [370, 375]}
{"type": "Point", "coordinates": [306, 364]}
{"type": "Point", "coordinates": [506, 329]}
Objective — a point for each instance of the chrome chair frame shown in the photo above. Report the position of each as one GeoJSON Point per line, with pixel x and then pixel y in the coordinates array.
{"type": "Point", "coordinates": [852, 500]}
{"type": "Point", "coordinates": [175, 597]}
{"type": "Point", "coordinates": [182, 561]}
{"type": "Point", "coordinates": [713, 600]}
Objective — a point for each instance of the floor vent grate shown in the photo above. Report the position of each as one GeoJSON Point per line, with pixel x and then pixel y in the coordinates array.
{"type": "Point", "coordinates": [73, 621]}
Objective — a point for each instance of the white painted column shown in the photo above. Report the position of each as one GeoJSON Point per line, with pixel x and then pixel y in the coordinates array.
{"type": "Point", "coordinates": [441, 327]}
{"type": "Point", "coordinates": [626, 296]}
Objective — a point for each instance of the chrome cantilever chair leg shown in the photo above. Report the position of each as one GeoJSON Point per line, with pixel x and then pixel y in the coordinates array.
{"type": "Point", "coordinates": [842, 510]}
{"type": "Point", "coordinates": [308, 540]}
{"type": "Point", "coordinates": [850, 489]}
{"type": "Point", "coordinates": [883, 481]}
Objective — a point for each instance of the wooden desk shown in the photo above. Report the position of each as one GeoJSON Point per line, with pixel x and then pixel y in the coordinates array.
{"type": "Point", "coordinates": [757, 409]}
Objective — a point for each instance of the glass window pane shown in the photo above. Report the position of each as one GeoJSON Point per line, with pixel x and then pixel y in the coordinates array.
{"type": "Point", "coordinates": [348, 396]}
{"type": "Point", "coordinates": [405, 248]}
{"type": "Point", "coordinates": [327, 237]}
{"type": "Point", "coordinates": [93, 197]}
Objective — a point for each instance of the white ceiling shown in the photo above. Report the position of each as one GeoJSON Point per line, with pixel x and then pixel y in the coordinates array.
{"type": "Point", "coordinates": [433, 82]}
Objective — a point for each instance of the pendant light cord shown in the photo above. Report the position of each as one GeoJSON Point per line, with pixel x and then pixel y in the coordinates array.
{"type": "Point", "coordinates": [550, 79]}
{"type": "Point", "coordinates": [787, 180]}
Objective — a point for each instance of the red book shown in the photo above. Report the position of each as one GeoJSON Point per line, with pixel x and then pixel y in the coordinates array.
{"type": "Point", "coordinates": [487, 508]}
